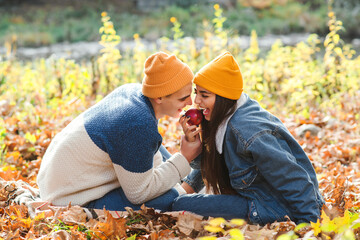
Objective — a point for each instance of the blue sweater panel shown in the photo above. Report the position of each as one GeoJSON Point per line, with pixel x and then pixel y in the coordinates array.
{"type": "Point", "coordinates": [123, 124]}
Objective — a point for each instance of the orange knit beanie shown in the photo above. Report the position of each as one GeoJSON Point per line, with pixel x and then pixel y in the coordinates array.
{"type": "Point", "coordinates": [164, 75]}
{"type": "Point", "coordinates": [221, 76]}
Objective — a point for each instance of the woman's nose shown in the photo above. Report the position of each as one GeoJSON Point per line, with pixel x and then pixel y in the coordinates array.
{"type": "Point", "coordinates": [197, 100]}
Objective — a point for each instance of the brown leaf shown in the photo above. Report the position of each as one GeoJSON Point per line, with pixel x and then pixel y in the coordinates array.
{"type": "Point", "coordinates": [74, 214]}
{"type": "Point", "coordinates": [188, 222]}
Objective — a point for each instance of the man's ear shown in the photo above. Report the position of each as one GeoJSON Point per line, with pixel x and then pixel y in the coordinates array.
{"type": "Point", "coordinates": [158, 100]}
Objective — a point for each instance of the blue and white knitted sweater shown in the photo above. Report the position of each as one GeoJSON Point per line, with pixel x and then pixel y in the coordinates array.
{"type": "Point", "coordinates": [113, 144]}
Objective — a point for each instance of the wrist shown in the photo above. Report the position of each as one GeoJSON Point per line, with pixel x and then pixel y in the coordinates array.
{"type": "Point", "coordinates": [185, 156]}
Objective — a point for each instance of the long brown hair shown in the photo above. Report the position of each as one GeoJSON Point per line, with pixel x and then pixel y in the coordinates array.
{"type": "Point", "coordinates": [213, 168]}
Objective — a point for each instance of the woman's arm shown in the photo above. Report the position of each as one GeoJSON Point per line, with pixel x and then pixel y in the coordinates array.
{"type": "Point", "coordinates": [187, 188]}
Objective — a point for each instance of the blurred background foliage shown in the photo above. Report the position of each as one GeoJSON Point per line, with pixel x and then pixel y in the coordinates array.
{"type": "Point", "coordinates": [39, 22]}
{"type": "Point", "coordinates": [316, 73]}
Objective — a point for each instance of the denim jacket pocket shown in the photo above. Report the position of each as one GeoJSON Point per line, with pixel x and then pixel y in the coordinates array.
{"type": "Point", "coordinates": [263, 214]}
{"type": "Point", "coordinates": [243, 178]}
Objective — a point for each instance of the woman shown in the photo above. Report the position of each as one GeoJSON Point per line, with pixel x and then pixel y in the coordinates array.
{"type": "Point", "coordinates": [250, 161]}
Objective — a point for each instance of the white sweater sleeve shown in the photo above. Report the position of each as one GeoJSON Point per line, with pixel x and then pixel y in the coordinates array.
{"type": "Point", "coordinates": [142, 187]}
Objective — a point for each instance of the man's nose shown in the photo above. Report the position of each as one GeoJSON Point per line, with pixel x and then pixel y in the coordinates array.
{"type": "Point", "coordinates": [189, 102]}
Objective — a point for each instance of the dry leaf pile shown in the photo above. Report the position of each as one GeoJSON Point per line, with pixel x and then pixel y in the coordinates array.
{"type": "Point", "coordinates": [331, 139]}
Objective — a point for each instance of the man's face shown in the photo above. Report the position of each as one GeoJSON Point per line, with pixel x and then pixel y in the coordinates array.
{"type": "Point", "coordinates": [173, 104]}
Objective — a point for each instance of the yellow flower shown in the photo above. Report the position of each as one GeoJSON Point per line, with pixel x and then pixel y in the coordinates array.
{"type": "Point", "coordinates": [331, 14]}
{"type": "Point", "coordinates": [173, 19]}
{"type": "Point", "coordinates": [136, 36]}
{"type": "Point", "coordinates": [216, 6]}
{"type": "Point", "coordinates": [104, 14]}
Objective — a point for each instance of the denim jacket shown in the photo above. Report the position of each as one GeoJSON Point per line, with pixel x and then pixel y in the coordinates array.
{"type": "Point", "coordinates": [268, 167]}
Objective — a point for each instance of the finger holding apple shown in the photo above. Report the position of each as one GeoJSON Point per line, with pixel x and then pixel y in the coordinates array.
{"type": "Point", "coordinates": [190, 123]}
{"type": "Point", "coordinates": [189, 130]}
{"type": "Point", "coordinates": [191, 134]}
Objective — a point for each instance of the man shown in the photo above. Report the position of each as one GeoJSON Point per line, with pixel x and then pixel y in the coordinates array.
{"type": "Point", "coordinates": [111, 155]}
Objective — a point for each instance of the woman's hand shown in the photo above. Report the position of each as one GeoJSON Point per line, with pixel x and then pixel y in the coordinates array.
{"type": "Point", "coordinates": [190, 150]}
{"type": "Point", "coordinates": [192, 132]}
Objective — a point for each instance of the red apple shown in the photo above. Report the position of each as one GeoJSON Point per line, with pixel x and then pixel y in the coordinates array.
{"type": "Point", "coordinates": [196, 116]}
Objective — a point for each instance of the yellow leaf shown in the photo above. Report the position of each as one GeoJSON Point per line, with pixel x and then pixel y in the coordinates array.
{"type": "Point", "coordinates": [207, 238]}
{"type": "Point", "coordinates": [27, 222]}
{"type": "Point", "coordinates": [40, 216]}
{"type": "Point", "coordinates": [16, 155]}
{"type": "Point", "coordinates": [213, 229]}
{"type": "Point", "coordinates": [237, 222]}
{"type": "Point", "coordinates": [331, 46]}
{"type": "Point", "coordinates": [133, 237]}
{"type": "Point", "coordinates": [287, 236]}
{"type": "Point", "coordinates": [161, 131]}
{"type": "Point", "coordinates": [356, 226]}
{"type": "Point", "coordinates": [8, 168]}
{"type": "Point", "coordinates": [327, 41]}
{"type": "Point", "coordinates": [217, 222]}
{"type": "Point", "coordinates": [259, 86]}
{"type": "Point", "coordinates": [338, 51]}
{"type": "Point", "coordinates": [343, 223]}
{"type": "Point", "coordinates": [316, 227]}
{"type": "Point", "coordinates": [327, 224]}
{"type": "Point", "coordinates": [236, 234]}
{"type": "Point", "coordinates": [300, 226]}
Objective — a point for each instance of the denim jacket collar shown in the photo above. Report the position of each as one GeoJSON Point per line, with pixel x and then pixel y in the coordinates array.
{"type": "Point", "coordinates": [220, 133]}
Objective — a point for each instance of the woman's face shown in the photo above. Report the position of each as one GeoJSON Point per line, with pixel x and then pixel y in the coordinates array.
{"type": "Point", "coordinates": [205, 100]}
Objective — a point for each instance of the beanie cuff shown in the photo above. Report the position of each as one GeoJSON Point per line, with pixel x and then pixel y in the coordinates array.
{"type": "Point", "coordinates": [214, 87]}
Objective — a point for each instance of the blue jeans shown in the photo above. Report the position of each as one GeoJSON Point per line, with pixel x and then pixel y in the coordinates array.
{"type": "Point", "coordinates": [116, 200]}
{"type": "Point", "coordinates": [208, 205]}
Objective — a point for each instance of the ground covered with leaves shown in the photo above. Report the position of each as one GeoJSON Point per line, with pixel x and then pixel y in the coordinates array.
{"type": "Point", "coordinates": [329, 137]}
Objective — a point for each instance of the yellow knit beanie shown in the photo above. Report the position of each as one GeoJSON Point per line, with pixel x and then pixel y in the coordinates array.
{"type": "Point", "coordinates": [164, 75]}
{"type": "Point", "coordinates": [221, 76]}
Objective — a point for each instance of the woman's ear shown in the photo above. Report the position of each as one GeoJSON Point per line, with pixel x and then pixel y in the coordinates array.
{"type": "Point", "coordinates": [158, 100]}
